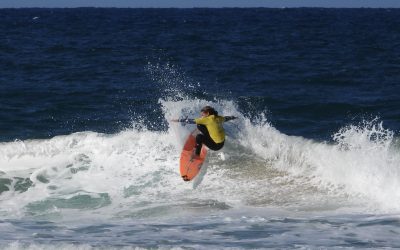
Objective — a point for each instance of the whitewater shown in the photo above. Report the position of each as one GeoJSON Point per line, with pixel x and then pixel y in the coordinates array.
{"type": "Point", "coordinates": [90, 160]}
{"type": "Point", "coordinates": [69, 190]}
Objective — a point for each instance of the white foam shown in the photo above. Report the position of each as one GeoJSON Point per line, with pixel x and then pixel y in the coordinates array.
{"type": "Point", "coordinates": [65, 246]}
{"type": "Point", "coordinates": [137, 169]}
{"type": "Point", "coordinates": [360, 164]}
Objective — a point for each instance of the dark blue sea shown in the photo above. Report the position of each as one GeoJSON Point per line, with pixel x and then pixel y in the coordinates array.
{"type": "Point", "coordinates": [89, 157]}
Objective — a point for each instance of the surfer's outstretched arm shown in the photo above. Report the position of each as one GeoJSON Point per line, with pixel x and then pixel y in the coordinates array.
{"type": "Point", "coordinates": [184, 120]}
{"type": "Point", "coordinates": [228, 118]}
{"type": "Point", "coordinates": [192, 121]}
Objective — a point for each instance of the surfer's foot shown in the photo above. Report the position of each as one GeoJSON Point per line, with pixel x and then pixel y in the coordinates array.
{"type": "Point", "coordinates": [194, 156]}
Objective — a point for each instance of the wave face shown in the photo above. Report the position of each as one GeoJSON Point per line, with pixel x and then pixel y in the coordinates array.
{"type": "Point", "coordinates": [134, 173]}
{"type": "Point", "coordinates": [88, 157]}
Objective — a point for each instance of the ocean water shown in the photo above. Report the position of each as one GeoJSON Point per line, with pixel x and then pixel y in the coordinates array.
{"type": "Point", "coordinates": [89, 157]}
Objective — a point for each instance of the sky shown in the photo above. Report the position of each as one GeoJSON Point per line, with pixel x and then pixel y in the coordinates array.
{"type": "Point", "coordinates": [199, 3]}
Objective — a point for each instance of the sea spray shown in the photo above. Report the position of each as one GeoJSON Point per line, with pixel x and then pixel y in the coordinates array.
{"type": "Point", "coordinates": [134, 173]}
{"type": "Point", "coordinates": [360, 163]}
{"type": "Point", "coordinates": [370, 162]}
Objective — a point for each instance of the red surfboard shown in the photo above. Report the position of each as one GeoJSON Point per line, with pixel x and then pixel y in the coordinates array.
{"type": "Point", "coordinates": [190, 167]}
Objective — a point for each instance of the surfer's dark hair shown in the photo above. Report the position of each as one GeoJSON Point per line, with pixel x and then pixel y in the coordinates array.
{"type": "Point", "coordinates": [210, 110]}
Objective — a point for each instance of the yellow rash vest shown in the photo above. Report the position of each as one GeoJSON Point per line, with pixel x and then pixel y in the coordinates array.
{"type": "Point", "coordinates": [214, 126]}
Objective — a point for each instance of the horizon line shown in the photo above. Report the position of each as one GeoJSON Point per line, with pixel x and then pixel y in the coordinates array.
{"type": "Point", "coordinates": [221, 7]}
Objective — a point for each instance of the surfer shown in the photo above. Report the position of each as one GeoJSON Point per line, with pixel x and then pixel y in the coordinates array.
{"type": "Point", "coordinates": [210, 125]}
